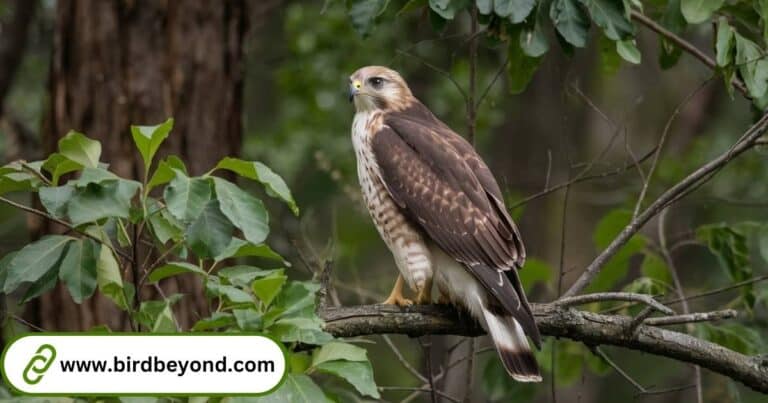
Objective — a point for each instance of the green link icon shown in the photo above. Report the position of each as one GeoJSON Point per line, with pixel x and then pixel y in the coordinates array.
{"type": "Point", "coordinates": [39, 363]}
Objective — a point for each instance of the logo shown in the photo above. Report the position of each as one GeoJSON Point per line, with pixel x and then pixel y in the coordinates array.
{"type": "Point", "coordinates": [38, 364]}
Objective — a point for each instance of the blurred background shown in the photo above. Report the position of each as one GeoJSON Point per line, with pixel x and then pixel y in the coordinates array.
{"type": "Point", "coordinates": [266, 80]}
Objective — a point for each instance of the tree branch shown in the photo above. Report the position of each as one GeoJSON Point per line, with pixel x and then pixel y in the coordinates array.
{"type": "Point", "coordinates": [672, 194]}
{"type": "Point", "coordinates": [685, 46]}
{"type": "Point", "coordinates": [589, 328]}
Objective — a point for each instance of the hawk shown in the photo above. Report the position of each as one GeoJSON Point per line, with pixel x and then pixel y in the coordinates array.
{"type": "Point", "coordinates": [440, 211]}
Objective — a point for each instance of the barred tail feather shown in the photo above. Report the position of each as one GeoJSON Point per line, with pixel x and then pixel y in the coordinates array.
{"type": "Point", "coordinates": [512, 346]}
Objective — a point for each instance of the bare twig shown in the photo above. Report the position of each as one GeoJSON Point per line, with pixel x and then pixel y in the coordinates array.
{"type": "Point", "coordinates": [618, 369]}
{"type": "Point", "coordinates": [423, 390]}
{"type": "Point", "coordinates": [584, 178]}
{"type": "Point", "coordinates": [662, 142]}
{"type": "Point", "coordinates": [692, 318]}
{"type": "Point", "coordinates": [613, 296]}
{"type": "Point", "coordinates": [402, 359]}
{"type": "Point", "coordinates": [692, 180]}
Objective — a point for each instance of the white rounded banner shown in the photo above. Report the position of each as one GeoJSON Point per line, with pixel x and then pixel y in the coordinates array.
{"type": "Point", "coordinates": [120, 364]}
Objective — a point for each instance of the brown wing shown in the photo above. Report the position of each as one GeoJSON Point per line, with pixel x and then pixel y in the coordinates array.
{"type": "Point", "coordinates": [458, 190]}
{"type": "Point", "coordinates": [436, 188]}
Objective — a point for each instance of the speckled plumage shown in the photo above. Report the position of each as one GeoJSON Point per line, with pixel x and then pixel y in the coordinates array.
{"type": "Point", "coordinates": [440, 211]}
{"type": "Point", "coordinates": [411, 253]}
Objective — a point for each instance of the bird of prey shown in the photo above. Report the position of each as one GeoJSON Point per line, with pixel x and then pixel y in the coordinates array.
{"type": "Point", "coordinates": [440, 211]}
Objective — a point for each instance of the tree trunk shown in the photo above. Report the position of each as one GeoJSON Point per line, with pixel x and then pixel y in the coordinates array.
{"type": "Point", "coordinates": [117, 63]}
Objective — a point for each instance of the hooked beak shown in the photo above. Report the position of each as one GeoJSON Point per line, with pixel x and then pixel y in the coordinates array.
{"type": "Point", "coordinates": [354, 89]}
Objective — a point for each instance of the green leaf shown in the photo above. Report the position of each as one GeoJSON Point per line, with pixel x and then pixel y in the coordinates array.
{"type": "Point", "coordinates": [698, 11]}
{"type": "Point", "coordinates": [109, 280]}
{"type": "Point", "coordinates": [729, 245]}
{"type": "Point", "coordinates": [36, 260]}
{"type": "Point", "coordinates": [165, 323]}
{"type": "Point", "coordinates": [358, 374]}
{"type": "Point", "coordinates": [363, 14]}
{"type": "Point", "coordinates": [174, 268]}
{"type": "Point", "coordinates": [216, 321]}
{"type": "Point", "coordinates": [752, 65]}
{"type": "Point", "coordinates": [149, 138]}
{"type": "Point", "coordinates": [243, 210]}
{"type": "Point", "coordinates": [654, 267]}
{"type": "Point", "coordinates": [98, 201]}
{"type": "Point", "coordinates": [267, 288]}
{"type": "Point", "coordinates": [521, 67]}
{"type": "Point", "coordinates": [243, 275]}
{"type": "Point", "coordinates": [213, 287]}
{"type": "Point", "coordinates": [165, 171]}
{"type": "Point", "coordinates": [609, 57]}
{"type": "Point", "coordinates": [629, 51]}
{"type": "Point", "coordinates": [762, 242]}
{"type": "Point", "coordinates": [616, 268]}
{"type": "Point", "coordinates": [242, 248]}
{"type": "Point", "coordinates": [257, 171]}
{"type": "Point", "coordinates": [80, 149]}
{"type": "Point", "coordinates": [533, 39]}
{"type": "Point", "coordinates": [570, 20]}
{"type": "Point", "coordinates": [58, 165]}
{"type": "Point", "coordinates": [338, 351]}
{"type": "Point", "coordinates": [247, 319]}
{"type": "Point", "coordinates": [93, 175]}
{"type": "Point", "coordinates": [484, 7]}
{"type": "Point", "coordinates": [187, 197]}
{"type": "Point", "coordinates": [611, 16]}
{"type": "Point", "coordinates": [516, 10]}
{"type": "Point", "coordinates": [296, 388]}
{"type": "Point", "coordinates": [55, 199]}
{"type": "Point", "coordinates": [300, 330]}
{"type": "Point", "coordinates": [40, 287]}
{"type": "Point", "coordinates": [734, 336]}
{"type": "Point", "coordinates": [5, 263]}
{"type": "Point", "coordinates": [165, 226]}
{"type": "Point", "coordinates": [673, 20]}
{"type": "Point", "coordinates": [447, 9]}
{"type": "Point", "coordinates": [211, 233]}
{"type": "Point", "coordinates": [724, 45]}
{"type": "Point", "coordinates": [78, 268]}
{"type": "Point", "coordinates": [297, 296]}
{"type": "Point", "coordinates": [535, 271]}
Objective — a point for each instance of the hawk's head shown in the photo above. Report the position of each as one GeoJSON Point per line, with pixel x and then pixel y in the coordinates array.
{"type": "Point", "coordinates": [377, 87]}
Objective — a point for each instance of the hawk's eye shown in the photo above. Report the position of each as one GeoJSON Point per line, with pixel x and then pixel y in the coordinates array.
{"type": "Point", "coordinates": [376, 82]}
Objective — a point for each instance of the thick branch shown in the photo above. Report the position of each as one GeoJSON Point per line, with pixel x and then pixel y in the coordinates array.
{"type": "Point", "coordinates": [586, 327]}
{"type": "Point", "coordinates": [672, 194]}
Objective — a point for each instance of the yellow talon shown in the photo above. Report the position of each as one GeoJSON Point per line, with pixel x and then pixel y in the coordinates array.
{"type": "Point", "coordinates": [396, 296]}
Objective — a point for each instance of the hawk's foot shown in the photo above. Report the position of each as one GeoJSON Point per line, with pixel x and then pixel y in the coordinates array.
{"type": "Point", "coordinates": [396, 296]}
{"type": "Point", "coordinates": [398, 300]}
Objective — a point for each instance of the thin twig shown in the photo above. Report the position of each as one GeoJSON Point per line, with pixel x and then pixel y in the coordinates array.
{"type": "Point", "coordinates": [613, 296]}
{"type": "Point", "coordinates": [402, 359]}
{"type": "Point", "coordinates": [662, 142]}
{"type": "Point", "coordinates": [692, 318]}
{"type": "Point", "coordinates": [426, 345]}
{"type": "Point", "coordinates": [576, 180]}
{"type": "Point", "coordinates": [618, 369]}
{"type": "Point", "coordinates": [686, 46]}
{"type": "Point", "coordinates": [672, 194]}
{"type": "Point", "coordinates": [65, 224]}
{"type": "Point", "coordinates": [423, 390]}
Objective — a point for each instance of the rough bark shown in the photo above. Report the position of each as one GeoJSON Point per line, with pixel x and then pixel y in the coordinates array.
{"type": "Point", "coordinates": [117, 63]}
{"type": "Point", "coordinates": [589, 328]}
